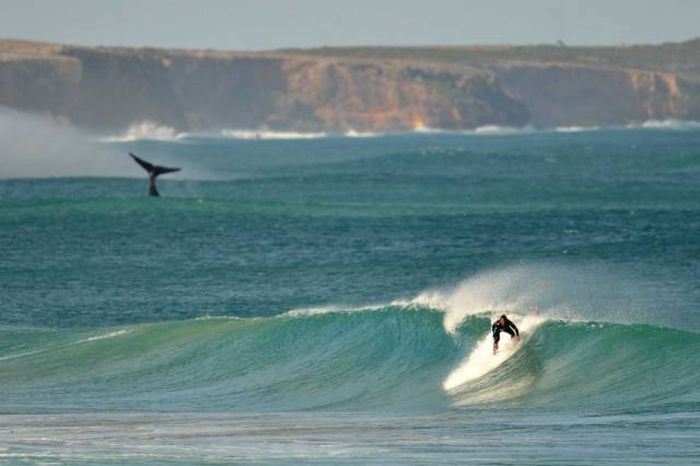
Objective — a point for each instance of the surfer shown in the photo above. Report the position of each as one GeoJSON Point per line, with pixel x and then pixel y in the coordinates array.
{"type": "Point", "coordinates": [503, 324]}
{"type": "Point", "coordinates": [153, 172]}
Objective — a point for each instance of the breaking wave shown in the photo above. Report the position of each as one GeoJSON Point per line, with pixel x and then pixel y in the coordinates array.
{"type": "Point", "coordinates": [485, 130]}
{"type": "Point", "coordinates": [146, 130]}
{"type": "Point", "coordinates": [500, 130]}
{"type": "Point", "coordinates": [351, 133]}
{"type": "Point", "coordinates": [266, 134]}
{"type": "Point", "coordinates": [432, 352]}
{"type": "Point", "coordinates": [575, 129]}
{"type": "Point", "coordinates": [669, 124]}
{"type": "Point", "coordinates": [395, 358]}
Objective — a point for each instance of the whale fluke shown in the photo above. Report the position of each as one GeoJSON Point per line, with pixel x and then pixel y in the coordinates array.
{"type": "Point", "coordinates": [153, 172]}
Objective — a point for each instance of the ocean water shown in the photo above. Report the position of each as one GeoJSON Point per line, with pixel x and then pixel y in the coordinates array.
{"type": "Point", "coordinates": [328, 300]}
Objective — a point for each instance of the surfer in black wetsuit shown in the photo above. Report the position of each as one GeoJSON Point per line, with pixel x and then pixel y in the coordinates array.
{"type": "Point", "coordinates": [503, 324]}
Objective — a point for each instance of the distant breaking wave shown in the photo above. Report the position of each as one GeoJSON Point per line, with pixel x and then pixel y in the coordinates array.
{"type": "Point", "coordinates": [428, 130]}
{"type": "Point", "coordinates": [485, 130]}
{"type": "Point", "coordinates": [147, 130]}
{"type": "Point", "coordinates": [665, 124]}
{"type": "Point", "coordinates": [267, 134]}
{"type": "Point", "coordinates": [669, 123]}
{"type": "Point", "coordinates": [497, 129]}
{"type": "Point", "coordinates": [362, 134]}
{"type": "Point", "coordinates": [262, 134]}
{"type": "Point", "coordinates": [575, 129]}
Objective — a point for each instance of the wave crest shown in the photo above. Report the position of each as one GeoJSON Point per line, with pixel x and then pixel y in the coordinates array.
{"type": "Point", "coordinates": [147, 130]}
{"type": "Point", "coordinates": [267, 134]}
{"type": "Point", "coordinates": [670, 124]}
{"type": "Point", "coordinates": [555, 290]}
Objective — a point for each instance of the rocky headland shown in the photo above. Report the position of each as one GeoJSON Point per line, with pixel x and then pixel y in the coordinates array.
{"type": "Point", "coordinates": [377, 89]}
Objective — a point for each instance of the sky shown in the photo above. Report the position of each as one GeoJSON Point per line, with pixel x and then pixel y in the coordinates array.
{"type": "Point", "coordinates": [271, 24]}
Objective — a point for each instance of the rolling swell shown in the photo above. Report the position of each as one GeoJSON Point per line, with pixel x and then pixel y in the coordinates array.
{"type": "Point", "coordinates": [335, 360]}
{"type": "Point", "coordinates": [392, 358]}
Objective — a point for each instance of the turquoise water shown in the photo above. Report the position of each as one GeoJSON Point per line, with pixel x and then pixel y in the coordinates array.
{"type": "Point", "coordinates": [307, 301]}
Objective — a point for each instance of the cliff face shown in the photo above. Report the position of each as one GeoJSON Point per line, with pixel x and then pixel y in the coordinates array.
{"type": "Point", "coordinates": [107, 89]}
{"type": "Point", "coordinates": [391, 96]}
{"type": "Point", "coordinates": [212, 93]}
{"type": "Point", "coordinates": [104, 89]}
{"type": "Point", "coordinates": [37, 83]}
{"type": "Point", "coordinates": [562, 95]}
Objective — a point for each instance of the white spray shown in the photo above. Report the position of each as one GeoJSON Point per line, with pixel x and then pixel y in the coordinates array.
{"type": "Point", "coordinates": [36, 146]}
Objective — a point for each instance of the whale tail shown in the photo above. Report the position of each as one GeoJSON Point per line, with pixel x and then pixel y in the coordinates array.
{"type": "Point", "coordinates": [153, 172]}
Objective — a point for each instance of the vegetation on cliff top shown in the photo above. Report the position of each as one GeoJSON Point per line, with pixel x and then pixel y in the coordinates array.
{"type": "Point", "coordinates": [671, 56]}
{"type": "Point", "coordinates": [684, 56]}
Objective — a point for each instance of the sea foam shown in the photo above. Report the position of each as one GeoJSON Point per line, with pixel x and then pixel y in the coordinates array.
{"type": "Point", "coordinates": [38, 146]}
{"type": "Point", "coordinates": [267, 134]}
{"type": "Point", "coordinates": [668, 123]}
{"type": "Point", "coordinates": [501, 130]}
{"type": "Point", "coordinates": [482, 360]}
{"type": "Point", "coordinates": [146, 130]}
{"type": "Point", "coordinates": [575, 129]}
{"type": "Point", "coordinates": [556, 290]}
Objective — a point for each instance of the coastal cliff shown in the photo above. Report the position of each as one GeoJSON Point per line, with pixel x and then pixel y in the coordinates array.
{"type": "Point", "coordinates": [362, 89]}
{"type": "Point", "coordinates": [564, 95]}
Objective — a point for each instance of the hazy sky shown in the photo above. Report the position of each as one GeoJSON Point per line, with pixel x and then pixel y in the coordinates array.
{"type": "Point", "coordinates": [266, 24]}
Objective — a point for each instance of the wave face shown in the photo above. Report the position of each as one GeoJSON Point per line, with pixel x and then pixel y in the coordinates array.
{"type": "Point", "coordinates": [391, 358]}
{"type": "Point", "coordinates": [593, 365]}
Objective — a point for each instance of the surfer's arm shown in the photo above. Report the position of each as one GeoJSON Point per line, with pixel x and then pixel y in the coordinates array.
{"type": "Point", "coordinates": [517, 332]}
{"type": "Point", "coordinates": [512, 325]}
